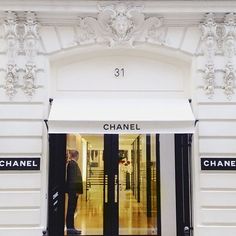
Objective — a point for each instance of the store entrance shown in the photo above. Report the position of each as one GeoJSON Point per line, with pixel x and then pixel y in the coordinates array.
{"type": "Point", "coordinates": [121, 184]}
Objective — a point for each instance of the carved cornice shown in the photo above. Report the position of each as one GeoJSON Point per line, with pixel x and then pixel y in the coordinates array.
{"type": "Point", "coordinates": [190, 7]}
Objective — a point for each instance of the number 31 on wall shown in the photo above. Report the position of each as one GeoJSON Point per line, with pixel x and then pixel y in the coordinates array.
{"type": "Point", "coordinates": [119, 72]}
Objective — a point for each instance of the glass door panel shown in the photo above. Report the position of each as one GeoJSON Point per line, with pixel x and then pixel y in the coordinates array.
{"type": "Point", "coordinates": [138, 185]}
{"type": "Point", "coordinates": [89, 210]}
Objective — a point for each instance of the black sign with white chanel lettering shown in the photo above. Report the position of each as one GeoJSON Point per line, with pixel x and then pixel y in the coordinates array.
{"type": "Point", "coordinates": [218, 163]}
{"type": "Point", "coordinates": [19, 163]}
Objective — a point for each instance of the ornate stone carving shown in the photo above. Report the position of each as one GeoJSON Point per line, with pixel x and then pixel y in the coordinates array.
{"type": "Point", "coordinates": [229, 40]}
{"type": "Point", "coordinates": [29, 80]}
{"type": "Point", "coordinates": [209, 44]}
{"type": "Point", "coordinates": [22, 39]}
{"type": "Point", "coordinates": [11, 37]}
{"type": "Point", "coordinates": [11, 80]}
{"type": "Point", "coordinates": [209, 79]}
{"type": "Point", "coordinates": [209, 36]}
{"type": "Point", "coordinates": [118, 20]}
{"type": "Point", "coordinates": [31, 36]}
{"type": "Point", "coordinates": [86, 34]}
{"type": "Point", "coordinates": [118, 24]}
{"type": "Point", "coordinates": [229, 81]}
{"type": "Point", "coordinates": [229, 36]}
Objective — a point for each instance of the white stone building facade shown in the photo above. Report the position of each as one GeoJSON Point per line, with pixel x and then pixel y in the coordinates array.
{"type": "Point", "coordinates": [69, 49]}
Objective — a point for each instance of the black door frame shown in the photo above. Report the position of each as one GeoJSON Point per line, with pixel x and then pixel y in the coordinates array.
{"type": "Point", "coordinates": [111, 185]}
{"type": "Point", "coordinates": [183, 143]}
{"type": "Point", "coordinates": [56, 185]}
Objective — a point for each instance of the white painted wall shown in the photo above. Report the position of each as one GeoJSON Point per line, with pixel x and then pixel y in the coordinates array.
{"type": "Point", "coordinates": [168, 194]}
{"type": "Point", "coordinates": [214, 191]}
{"type": "Point", "coordinates": [22, 132]}
{"type": "Point", "coordinates": [147, 74]}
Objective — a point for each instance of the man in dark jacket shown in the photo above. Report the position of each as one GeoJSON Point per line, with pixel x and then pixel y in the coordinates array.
{"type": "Point", "coordinates": [74, 187]}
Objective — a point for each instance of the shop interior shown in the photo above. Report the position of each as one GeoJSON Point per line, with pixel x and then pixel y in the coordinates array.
{"type": "Point", "coordinates": [139, 191]}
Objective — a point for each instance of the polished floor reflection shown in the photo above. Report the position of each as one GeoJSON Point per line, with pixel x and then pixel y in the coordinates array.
{"type": "Point", "coordinates": [132, 218]}
{"type": "Point", "coordinates": [133, 221]}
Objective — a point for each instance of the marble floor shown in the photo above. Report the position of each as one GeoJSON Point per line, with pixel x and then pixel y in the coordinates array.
{"type": "Point", "coordinates": [132, 218]}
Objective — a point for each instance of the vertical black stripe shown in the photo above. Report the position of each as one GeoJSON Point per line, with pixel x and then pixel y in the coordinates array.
{"type": "Point", "coordinates": [138, 168]}
{"type": "Point", "coordinates": [111, 160]}
{"type": "Point", "coordinates": [183, 183]}
{"type": "Point", "coordinates": [56, 204]}
{"type": "Point", "coordinates": [158, 185]}
{"type": "Point", "coordinates": [148, 176]}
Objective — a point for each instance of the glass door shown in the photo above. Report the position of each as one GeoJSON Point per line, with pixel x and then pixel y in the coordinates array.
{"type": "Point", "coordinates": [138, 185]}
{"type": "Point", "coordinates": [89, 211]}
{"type": "Point", "coordinates": [120, 184]}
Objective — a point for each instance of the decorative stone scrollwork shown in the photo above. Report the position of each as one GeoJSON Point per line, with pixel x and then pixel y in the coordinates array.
{"type": "Point", "coordinates": [86, 34]}
{"type": "Point", "coordinates": [118, 24]}
{"type": "Point", "coordinates": [209, 77]}
{"type": "Point", "coordinates": [229, 40]}
{"type": "Point", "coordinates": [31, 36]}
{"type": "Point", "coordinates": [119, 20]}
{"type": "Point", "coordinates": [11, 37]}
{"type": "Point", "coordinates": [209, 36]}
{"type": "Point", "coordinates": [11, 80]}
{"type": "Point", "coordinates": [29, 80]}
{"type": "Point", "coordinates": [229, 36]}
{"type": "Point", "coordinates": [229, 81]}
{"type": "Point", "coordinates": [209, 45]}
{"type": "Point", "coordinates": [21, 39]}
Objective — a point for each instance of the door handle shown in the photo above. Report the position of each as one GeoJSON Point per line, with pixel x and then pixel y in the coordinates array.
{"type": "Point", "coordinates": [106, 189]}
{"type": "Point", "coordinates": [116, 184]}
{"type": "Point", "coordinates": [187, 230]}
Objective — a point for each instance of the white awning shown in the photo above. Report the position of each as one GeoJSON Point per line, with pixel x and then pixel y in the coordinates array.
{"type": "Point", "coordinates": [143, 116]}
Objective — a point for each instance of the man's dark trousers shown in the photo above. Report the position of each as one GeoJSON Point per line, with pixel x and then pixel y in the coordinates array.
{"type": "Point", "coordinates": [72, 202]}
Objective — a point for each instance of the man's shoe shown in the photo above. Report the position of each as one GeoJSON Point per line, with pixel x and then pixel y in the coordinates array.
{"type": "Point", "coordinates": [73, 232]}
